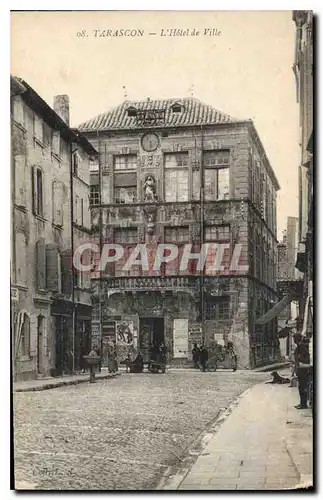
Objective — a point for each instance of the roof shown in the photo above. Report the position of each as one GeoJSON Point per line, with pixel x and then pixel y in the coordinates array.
{"type": "Point", "coordinates": [194, 112]}
{"type": "Point", "coordinates": [30, 96]}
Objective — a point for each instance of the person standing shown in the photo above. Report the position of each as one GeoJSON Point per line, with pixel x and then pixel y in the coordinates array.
{"type": "Point", "coordinates": [302, 368]}
{"type": "Point", "coordinates": [204, 356]}
{"type": "Point", "coordinates": [196, 356]}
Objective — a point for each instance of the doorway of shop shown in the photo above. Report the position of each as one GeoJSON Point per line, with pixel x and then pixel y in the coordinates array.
{"type": "Point", "coordinates": [151, 330]}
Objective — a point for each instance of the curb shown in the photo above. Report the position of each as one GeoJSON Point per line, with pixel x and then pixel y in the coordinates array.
{"type": "Point", "coordinates": [276, 366]}
{"type": "Point", "coordinates": [54, 385]}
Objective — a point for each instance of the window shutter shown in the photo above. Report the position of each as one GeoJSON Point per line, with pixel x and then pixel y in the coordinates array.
{"type": "Point", "coordinates": [34, 188]}
{"type": "Point", "coordinates": [66, 260]}
{"type": "Point", "coordinates": [52, 267]}
{"type": "Point", "coordinates": [58, 203]}
{"type": "Point", "coordinates": [41, 264]}
{"type": "Point", "coordinates": [33, 336]}
{"type": "Point", "coordinates": [21, 259]}
{"type": "Point", "coordinates": [20, 180]}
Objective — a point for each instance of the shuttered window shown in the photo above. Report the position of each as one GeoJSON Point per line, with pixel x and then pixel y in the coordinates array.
{"type": "Point", "coordinates": [37, 191]}
{"type": "Point", "coordinates": [57, 202]}
{"type": "Point", "coordinates": [52, 276]}
{"type": "Point", "coordinates": [20, 180]}
{"type": "Point", "coordinates": [176, 176]}
{"type": "Point", "coordinates": [38, 128]}
{"type": "Point", "coordinates": [21, 259]}
{"type": "Point", "coordinates": [41, 264]}
{"type": "Point", "coordinates": [66, 267]}
{"type": "Point", "coordinates": [18, 110]}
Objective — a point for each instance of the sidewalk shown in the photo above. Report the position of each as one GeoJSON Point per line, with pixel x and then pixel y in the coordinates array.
{"type": "Point", "coordinates": [52, 383]}
{"type": "Point", "coordinates": [265, 444]}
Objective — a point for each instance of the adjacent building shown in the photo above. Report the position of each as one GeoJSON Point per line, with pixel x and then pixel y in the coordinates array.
{"type": "Point", "coordinates": [179, 172]}
{"type": "Point", "coordinates": [288, 278]}
{"type": "Point", "coordinates": [303, 69]}
{"type": "Point", "coordinates": [50, 185]}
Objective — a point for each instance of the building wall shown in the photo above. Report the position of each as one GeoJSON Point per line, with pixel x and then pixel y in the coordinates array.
{"type": "Point", "coordinates": [249, 210]}
{"type": "Point", "coordinates": [36, 232]}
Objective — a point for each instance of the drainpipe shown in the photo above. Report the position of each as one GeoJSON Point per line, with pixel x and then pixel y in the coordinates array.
{"type": "Point", "coordinates": [100, 243]}
{"type": "Point", "coordinates": [72, 249]}
{"type": "Point", "coordinates": [202, 233]}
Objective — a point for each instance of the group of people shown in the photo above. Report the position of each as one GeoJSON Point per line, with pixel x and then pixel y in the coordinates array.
{"type": "Point", "coordinates": [200, 357]}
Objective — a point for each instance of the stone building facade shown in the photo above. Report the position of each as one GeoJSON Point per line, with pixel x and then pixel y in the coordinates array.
{"type": "Point", "coordinates": [49, 166]}
{"type": "Point", "coordinates": [179, 171]}
{"type": "Point", "coordinates": [303, 70]}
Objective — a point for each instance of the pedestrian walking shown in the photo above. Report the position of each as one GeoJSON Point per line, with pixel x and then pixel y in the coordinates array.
{"type": "Point", "coordinates": [196, 356]}
{"type": "Point", "coordinates": [302, 368]}
{"type": "Point", "coordinates": [204, 356]}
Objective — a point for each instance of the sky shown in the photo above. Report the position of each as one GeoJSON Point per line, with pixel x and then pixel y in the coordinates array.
{"type": "Point", "coordinates": [246, 71]}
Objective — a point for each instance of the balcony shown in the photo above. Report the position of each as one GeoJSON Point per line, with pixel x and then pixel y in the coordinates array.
{"type": "Point", "coordinates": [158, 283]}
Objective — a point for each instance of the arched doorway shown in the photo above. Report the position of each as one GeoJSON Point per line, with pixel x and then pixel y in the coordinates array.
{"type": "Point", "coordinates": [40, 344]}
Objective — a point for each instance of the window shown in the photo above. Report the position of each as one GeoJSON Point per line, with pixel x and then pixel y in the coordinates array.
{"type": "Point", "coordinates": [126, 194]}
{"type": "Point", "coordinates": [38, 206]}
{"type": "Point", "coordinates": [217, 233]}
{"type": "Point", "coordinates": [126, 235]}
{"type": "Point", "coordinates": [176, 177]}
{"type": "Point", "coordinates": [128, 239]}
{"type": "Point", "coordinates": [178, 236]}
{"type": "Point", "coordinates": [38, 128]}
{"type": "Point", "coordinates": [125, 183]}
{"type": "Point", "coordinates": [76, 162]}
{"type": "Point", "coordinates": [217, 308]}
{"type": "Point", "coordinates": [125, 162]}
{"type": "Point", "coordinates": [94, 195]}
{"type": "Point", "coordinates": [216, 175]}
{"type": "Point", "coordinates": [57, 202]}
{"type": "Point", "coordinates": [56, 142]}
{"type": "Point", "coordinates": [18, 111]}
{"type": "Point", "coordinates": [94, 166]}
{"type": "Point", "coordinates": [25, 336]}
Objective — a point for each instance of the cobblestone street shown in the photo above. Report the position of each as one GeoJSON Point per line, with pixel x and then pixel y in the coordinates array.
{"type": "Point", "coordinates": [122, 433]}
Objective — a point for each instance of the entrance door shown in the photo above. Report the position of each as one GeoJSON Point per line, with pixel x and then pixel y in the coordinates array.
{"type": "Point", "coordinates": [40, 344]}
{"type": "Point", "coordinates": [151, 330]}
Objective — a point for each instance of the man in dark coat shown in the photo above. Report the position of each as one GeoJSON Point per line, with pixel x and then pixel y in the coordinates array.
{"type": "Point", "coordinates": [196, 356]}
{"type": "Point", "coordinates": [302, 368]}
{"type": "Point", "coordinates": [204, 356]}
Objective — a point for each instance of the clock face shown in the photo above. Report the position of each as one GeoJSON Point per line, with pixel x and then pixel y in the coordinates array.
{"type": "Point", "coordinates": [150, 142]}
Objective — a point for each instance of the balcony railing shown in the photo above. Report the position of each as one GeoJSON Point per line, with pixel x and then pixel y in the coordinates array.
{"type": "Point", "coordinates": [153, 283]}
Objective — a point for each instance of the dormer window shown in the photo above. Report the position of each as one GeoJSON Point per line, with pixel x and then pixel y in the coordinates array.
{"type": "Point", "coordinates": [177, 107]}
{"type": "Point", "coordinates": [132, 112]}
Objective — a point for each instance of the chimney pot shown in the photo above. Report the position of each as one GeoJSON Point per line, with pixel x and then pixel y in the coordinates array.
{"type": "Point", "coordinates": [62, 107]}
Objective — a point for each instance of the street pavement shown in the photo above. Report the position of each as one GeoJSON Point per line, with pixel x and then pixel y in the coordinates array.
{"type": "Point", "coordinates": [125, 433]}
{"type": "Point", "coordinates": [264, 444]}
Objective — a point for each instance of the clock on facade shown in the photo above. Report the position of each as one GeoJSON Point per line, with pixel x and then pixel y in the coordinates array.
{"type": "Point", "coordinates": [149, 142]}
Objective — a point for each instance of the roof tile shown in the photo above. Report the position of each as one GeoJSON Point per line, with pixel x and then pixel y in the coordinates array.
{"type": "Point", "coordinates": [195, 112]}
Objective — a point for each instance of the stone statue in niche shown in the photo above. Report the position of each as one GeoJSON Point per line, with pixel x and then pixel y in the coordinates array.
{"type": "Point", "coordinates": [150, 189]}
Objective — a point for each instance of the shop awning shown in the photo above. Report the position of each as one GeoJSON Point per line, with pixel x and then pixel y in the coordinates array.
{"type": "Point", "coordinates": [274, 311]}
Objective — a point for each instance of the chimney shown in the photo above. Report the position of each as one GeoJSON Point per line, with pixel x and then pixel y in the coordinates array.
{"type": "Point", "coordinates": [62, 107]}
